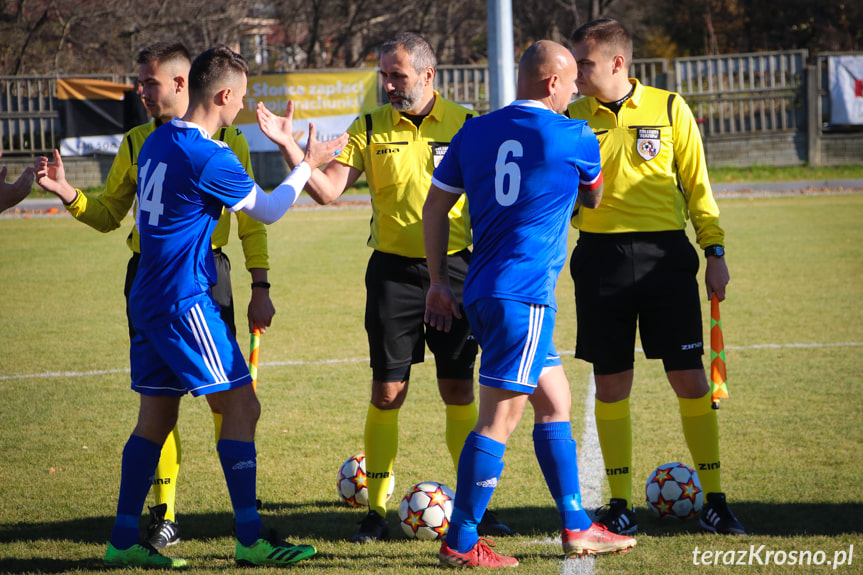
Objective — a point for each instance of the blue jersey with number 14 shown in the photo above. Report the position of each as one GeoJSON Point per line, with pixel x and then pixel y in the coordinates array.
{"type": "Point", "coordinates": [185, 178]}
{"type": "Point", "coordinates": [521, 168]}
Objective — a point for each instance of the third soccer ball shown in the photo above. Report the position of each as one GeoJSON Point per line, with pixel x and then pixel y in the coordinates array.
{"type": "Point", "coordinates": [353, 483]}
{"type": "Point", "coordinates": [425, 510]}
{"type": "Point", "coordinates": [673, 490]}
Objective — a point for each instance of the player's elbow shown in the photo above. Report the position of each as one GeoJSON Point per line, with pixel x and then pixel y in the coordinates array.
{"type": "Point", "coordinates": [590, 198]}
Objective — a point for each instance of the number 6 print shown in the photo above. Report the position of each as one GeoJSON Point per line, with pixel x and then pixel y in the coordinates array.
{"type": "Point", "coordinates": [506, 196]}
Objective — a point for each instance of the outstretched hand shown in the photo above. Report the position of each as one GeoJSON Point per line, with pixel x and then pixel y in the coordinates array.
{"type": "Point", "coordinates": [279, 129]}
{"type": "Point", "coordinates": [52, 177]}
{"type": "Point", "coordinates": [12, 194]}
{"type": "Point", "coordinates": [320, 153]}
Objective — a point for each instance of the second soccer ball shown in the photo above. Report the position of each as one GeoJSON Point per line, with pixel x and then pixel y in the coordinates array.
{"type": "Point", "coordinates": [353, 482]}
{"type": "Point", "coordinates": [425, 510]}
{"type": "Point", "coordinates": [674, 491]}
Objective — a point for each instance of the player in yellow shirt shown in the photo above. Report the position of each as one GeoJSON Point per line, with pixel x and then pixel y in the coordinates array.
{"type": "Point", "coordinates": [633, 264]}
{"type": "Point", "coordinates": [398, 146]}
{"type": "Point", "coordinates": [163, 75]}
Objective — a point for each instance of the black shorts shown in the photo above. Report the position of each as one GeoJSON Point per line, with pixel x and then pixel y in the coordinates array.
{"type": "Point", "coordinates": [648, 279]}
{"type": "Point", "coordinates": [396, 289]}
{"type": "Point", "coordinates": [222, 291]}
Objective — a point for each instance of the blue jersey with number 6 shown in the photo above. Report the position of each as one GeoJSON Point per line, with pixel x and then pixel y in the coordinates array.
{"type": "Point", "coordinates": [185, 178]}
{"type": "Point", "coordinates": [521, 168]}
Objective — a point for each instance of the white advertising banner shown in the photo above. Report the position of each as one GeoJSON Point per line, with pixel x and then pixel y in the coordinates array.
{"type": "Point", "coordinates": [845, 75]}
{"type": "Point", "coordinates": [331, 100]}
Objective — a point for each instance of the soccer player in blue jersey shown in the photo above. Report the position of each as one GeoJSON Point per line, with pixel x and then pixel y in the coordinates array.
{"type": "Point", "coordinates": [181, 345]}
{"type": "Point", "coordinates": [523, 168]}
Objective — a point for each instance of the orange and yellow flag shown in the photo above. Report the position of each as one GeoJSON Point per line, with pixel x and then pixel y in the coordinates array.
{"type": "Point", "coordinates": [254, 349]}
{"type": "Point", "coordinates": [718, 377]}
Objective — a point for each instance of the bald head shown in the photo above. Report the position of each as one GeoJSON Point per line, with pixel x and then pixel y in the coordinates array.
{"type": "Point", "coordinates": [546, 72]}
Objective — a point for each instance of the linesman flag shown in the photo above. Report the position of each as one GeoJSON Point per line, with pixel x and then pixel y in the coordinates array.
{"type": "Point", "coordinates": [95, 114]}
{"type": "Point", "coordinates": [718, 378]}
{"type": "Point", "coordinates": [254, 350]}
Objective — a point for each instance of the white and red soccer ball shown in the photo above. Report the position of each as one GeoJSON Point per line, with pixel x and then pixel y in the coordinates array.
{"type": "Point", "coordinates": [353, 482]}
{"type": "Point", "coordinates": [425, 511]}
{"type": "Point", "coordinates": [674, 491]}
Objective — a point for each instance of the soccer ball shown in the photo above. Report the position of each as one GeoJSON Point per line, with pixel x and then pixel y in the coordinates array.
{"type": "Point", "coordinates": [674, 491]}
{"type": "Point", "coordinates": [352, 482]}
{"type": "Point", "coordinates": [425, 510]}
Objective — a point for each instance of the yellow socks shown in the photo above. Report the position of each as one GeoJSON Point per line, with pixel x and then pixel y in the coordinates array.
{"type": "Point", "coordinates": [701, 430]}
{"type": "Point", "coordinates": [165, 482]}
{"type": "Point", "coordinates": [614, 428]}
{"type": "Point", "coordinates": [217, 422]}
{"type": "Point", "coordinates": [460, 421]}
{"type": "Point", "coordinates": [382, 444]}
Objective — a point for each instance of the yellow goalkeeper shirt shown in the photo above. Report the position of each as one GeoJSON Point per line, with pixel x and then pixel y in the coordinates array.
{"type": "Point", "coordinates": [106, 212]}
{"type": "Point", "coordinates": [653, 167]}
{"type": "Point", "coordinates": [398, 159]}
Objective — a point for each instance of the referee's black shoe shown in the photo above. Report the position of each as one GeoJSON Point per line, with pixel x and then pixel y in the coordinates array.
{"type": "Point", "coordinates": [162, 532]}
{"type": "Point", "coordinates": [491, 526]}
{"type": "Point", "coordinates": [716, 517]}
{"type": "Point", "coordinates": [373, 527]}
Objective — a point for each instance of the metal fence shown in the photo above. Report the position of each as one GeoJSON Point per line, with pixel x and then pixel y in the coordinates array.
{"type": "Point", "coordinates": [758, 93]}
{"type": "Point", "coordinates": [469, 85]}
{"type": "Point", "coordinates": [745, 93]}
{"type": "Point", "coordinates": [29, 121]}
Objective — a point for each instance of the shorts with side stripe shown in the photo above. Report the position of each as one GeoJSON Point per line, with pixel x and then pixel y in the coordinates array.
{"type": "Point", "coordinates": [194, 353]}
{"type": "Point", "coordinates": [516, 340]}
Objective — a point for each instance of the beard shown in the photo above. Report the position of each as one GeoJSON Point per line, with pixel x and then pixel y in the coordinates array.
{"type": "Point", "coordinates": [409, 100]}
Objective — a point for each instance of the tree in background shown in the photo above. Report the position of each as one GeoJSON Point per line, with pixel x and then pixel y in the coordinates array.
{"type": "Point", "coordinates": [64, 37]}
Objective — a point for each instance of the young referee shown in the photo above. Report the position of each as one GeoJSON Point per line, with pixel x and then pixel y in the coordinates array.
{"type": "Point", "coordinates": [633, 264]}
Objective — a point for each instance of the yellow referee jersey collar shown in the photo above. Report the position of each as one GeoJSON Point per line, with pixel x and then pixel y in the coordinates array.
{"type": "Point", "coordinates": [436, 111]}
{"type": "Point", "coordinates": [634, 100]}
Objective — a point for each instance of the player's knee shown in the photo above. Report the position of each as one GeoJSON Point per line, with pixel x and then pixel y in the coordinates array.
{"type": "Point", "coordinates": [389, 394]}
{"type": "Point", "coordinates": [456, 391]}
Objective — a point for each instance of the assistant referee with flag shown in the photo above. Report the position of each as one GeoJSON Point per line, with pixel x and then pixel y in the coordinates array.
{"type": "Point", "coordinates": [633, 264]}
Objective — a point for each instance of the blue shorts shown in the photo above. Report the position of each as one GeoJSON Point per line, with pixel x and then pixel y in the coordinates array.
{"type": "Point", "coordinates": [195, 353]}
{"type": "Point", "coordinates": [516, 341]}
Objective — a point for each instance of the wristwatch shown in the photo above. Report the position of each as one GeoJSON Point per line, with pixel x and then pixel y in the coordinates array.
{"type": "Point", "coordinates": [714, 251]}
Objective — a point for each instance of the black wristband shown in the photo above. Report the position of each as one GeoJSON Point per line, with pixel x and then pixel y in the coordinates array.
{"type": "Point", "coordinates": [714, 251]}
{"type": "Point", "coordinates": [265, 285]}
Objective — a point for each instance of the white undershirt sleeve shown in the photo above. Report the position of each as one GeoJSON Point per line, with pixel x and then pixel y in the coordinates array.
{"type": "Point", "coordinates": [268, 208]}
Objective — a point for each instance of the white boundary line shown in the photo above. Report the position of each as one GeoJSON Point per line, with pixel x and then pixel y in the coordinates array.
{"type": "Point", "coordinates": [590, 477]}
{"type": "Point", "coordinates": [358, 359]}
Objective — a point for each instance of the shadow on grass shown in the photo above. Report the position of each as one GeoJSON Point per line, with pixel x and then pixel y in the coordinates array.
{"type": "Point", "coordinates": [329, 521]}
{"type": "Point", "coordinates": [765, 519]}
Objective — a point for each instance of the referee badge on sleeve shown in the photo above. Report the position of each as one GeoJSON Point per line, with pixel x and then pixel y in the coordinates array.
{"type": "Point", "coordinates": [648, 143]}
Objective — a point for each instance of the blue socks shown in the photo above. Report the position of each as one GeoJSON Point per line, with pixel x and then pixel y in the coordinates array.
{"type": "Point", "coordinates": [239, 462]}
{"type": "Point", "coordinates": [556, 453]}
{"type": "Point", "coordinates": [479, 469]}
{"type": "Point", "coordinates": [140, 457]}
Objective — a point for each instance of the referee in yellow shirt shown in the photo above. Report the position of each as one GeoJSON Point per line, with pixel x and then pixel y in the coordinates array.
{"type": "Point", "coordinates": [633, 264]}
{"type": "Point", "coordinates": [163, 75]}
{"type": "Point", "coordinates": [398, 146]}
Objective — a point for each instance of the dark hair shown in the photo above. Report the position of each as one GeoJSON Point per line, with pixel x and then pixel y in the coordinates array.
{"type": "Point", "coordinates": [165, 51]}
{"type": "Point", "coordinates": [608, 34]}
{"type": "Point", "coordinates": [211, 69]}
{"type": "Point", "coordinates": [420, 51]}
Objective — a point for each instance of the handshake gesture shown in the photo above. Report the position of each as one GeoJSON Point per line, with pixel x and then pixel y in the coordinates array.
{"type": "Point", "coordinates": [280, 129]}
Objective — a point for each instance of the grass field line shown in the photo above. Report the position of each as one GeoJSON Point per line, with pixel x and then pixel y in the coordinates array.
{"type": "Point", "coordinates": [590, 475]}
{"type": "Point", "coordinates": [49, 374]}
